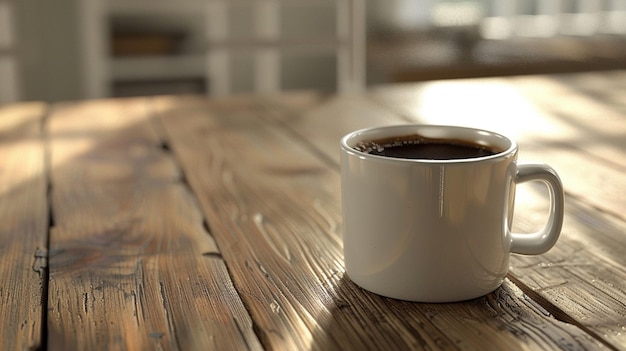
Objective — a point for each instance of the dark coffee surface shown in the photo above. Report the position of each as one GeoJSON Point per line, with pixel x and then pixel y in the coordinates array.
{"type": "Point", "coordinates": [418, 147]}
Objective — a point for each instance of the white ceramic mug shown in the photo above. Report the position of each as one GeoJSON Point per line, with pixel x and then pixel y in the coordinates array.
{"type": "Point", "coordinates": [437, 230]}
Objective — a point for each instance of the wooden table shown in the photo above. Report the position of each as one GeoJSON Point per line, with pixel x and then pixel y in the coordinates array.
{"type": "Point", "coordinates": [186, 223]}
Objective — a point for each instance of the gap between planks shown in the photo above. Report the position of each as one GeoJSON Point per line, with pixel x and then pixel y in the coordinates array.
{"type": "Point", "coordinates": [47, 168]}
{"type": "Point", "coordinates": [166, 146]}
{"type": "Point", "coordinates": [208, 253]}
{"type": "Point", "coordinates": [556, 312]}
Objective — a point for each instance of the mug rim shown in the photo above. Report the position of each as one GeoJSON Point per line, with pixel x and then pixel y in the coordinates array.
{"type": "Point", "coordinates": [385, 131]}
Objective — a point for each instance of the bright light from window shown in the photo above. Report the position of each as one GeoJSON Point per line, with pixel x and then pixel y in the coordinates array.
{"type": "Point", "coordinates": [453, 14]}
{"type": "Point", "coordinates": [492, 105]}
{"type": "Point", "coordinates": [496, 28]}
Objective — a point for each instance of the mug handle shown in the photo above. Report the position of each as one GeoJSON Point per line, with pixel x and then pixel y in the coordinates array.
{"type": "Point", "coordinates": [543, 240]}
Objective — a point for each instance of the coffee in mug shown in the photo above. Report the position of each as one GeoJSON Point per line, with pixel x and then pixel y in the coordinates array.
{"type": "Point", "coordinates": [420, 147]}
{"type": "Point", "coordinates": [427, 210]}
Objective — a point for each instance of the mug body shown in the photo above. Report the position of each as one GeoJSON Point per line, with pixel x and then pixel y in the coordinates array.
{"type": "Point", "coordinates": [427, 230]}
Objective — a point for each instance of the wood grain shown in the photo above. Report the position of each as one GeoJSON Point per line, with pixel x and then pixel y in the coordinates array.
{"type": "Point", "coordinates": [584, 273]}
{"type": "Point", "coordinates": [575, 135]}
{"type": "Point", "coordinates": [272, 201]}
{"type": "Point", "coordinates": [182, 223]}
{"type": "Point", "coordinates": [131, 265]}
{"type": "Point", "coordinates": [23, 226]}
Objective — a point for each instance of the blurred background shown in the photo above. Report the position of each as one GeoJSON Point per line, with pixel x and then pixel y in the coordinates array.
{"type": "Point", "coordinates": [76, 49]}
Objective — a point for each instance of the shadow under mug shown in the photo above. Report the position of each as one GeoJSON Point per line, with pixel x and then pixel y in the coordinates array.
{"type": "Point", "coordinates": [437, 230]}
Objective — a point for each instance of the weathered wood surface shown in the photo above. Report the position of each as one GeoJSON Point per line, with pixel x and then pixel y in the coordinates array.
{"type": "Point", "coordinates": [272, 202]}
{"type": "Point", "coordinates": [584, 138]}
{"type": "Point", "coordinates": [181, 223]}
{"type": "Point", "coordinates": [131, 265]}
{"type": "Point", "coordinates": [23, 226]}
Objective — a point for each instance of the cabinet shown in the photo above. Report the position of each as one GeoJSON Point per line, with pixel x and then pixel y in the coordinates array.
{"type": "Point", "coordinates": [249, 41]}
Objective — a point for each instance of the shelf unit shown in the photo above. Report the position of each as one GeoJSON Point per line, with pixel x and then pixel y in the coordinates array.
{"type": "Point", "coordinates": [214, 59]}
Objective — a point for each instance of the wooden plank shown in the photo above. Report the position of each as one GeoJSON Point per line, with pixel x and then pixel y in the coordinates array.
{"type": "Point", "coordinates": [273, 204]}
{"type": "Point", "coordinates": [131, 265]}
{"type": "Point", "coordinates": [584, 273]}
{"type": "Point", "coordinates": [324, 123]}
{"type": "Point", "coordinates": [592, 107]}
{"type": "Point", "coordinates": [607, 87]}
{"type": "Point", "coordinates": [589, 258]}
{"type": "Point", "coordinates": [24, 225]}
